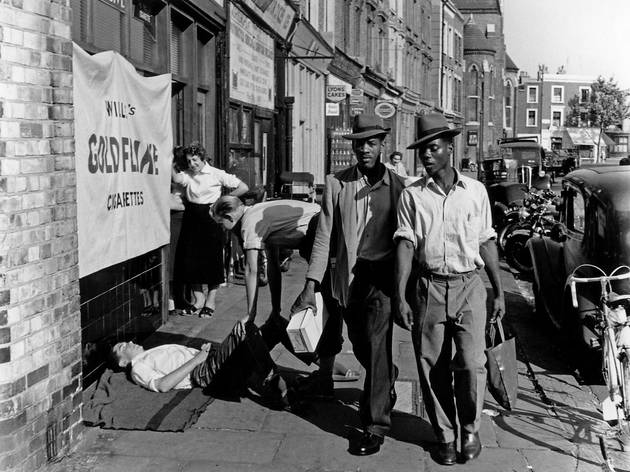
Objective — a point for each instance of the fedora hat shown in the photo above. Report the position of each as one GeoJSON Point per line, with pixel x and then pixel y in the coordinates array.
{"type": "Point", "coordinates": [432, 126]}
{"type": "Point", "coordinates": [366, 126]}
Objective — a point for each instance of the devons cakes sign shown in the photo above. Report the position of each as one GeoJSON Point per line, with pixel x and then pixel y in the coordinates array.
{"type": "Point", "coordinates": [123, 142]}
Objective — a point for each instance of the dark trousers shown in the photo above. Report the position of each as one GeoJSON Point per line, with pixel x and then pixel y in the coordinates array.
{"type": "Point", "coordinates": [369, 320]}
{"type": "Point", "coordinates": [451, 314]}
{"type": "Point", "coordinates": [242, 358]}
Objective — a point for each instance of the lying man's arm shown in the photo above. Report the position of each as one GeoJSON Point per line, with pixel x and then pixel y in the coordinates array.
{"type": "Point", "coordinates": [169, 381]}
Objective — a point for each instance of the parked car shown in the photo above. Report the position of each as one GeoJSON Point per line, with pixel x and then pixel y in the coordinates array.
{"type": "Point", "coordinates": [594, 228]}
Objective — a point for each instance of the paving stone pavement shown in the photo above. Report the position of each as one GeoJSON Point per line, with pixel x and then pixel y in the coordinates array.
{"type": "Point", "coordinates": [553, 431]}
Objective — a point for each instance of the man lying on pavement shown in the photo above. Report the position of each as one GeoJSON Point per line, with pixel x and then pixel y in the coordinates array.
{"type": "Point", "coordinates": [174, 366]}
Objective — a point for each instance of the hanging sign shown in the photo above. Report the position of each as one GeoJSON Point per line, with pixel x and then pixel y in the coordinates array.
{"type": "Point", "coordinates": [385, 110]}
{"type": "Point", "coordinates": [356, 96]}
{"type": "Point", "coordinates": [123, 149]}
{"type": "Point", "coordinates": [335, 93]}
{"type": "Point", "coordinates": [332, 109]}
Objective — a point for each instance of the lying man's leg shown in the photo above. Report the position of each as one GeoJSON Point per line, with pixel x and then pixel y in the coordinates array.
{"type": "Point", "coordinates": [253, 356]}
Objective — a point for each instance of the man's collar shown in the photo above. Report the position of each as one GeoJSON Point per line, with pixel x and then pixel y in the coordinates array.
{"type": "Point", "coordinates": [385, 179]}
{"type": "Point", "coordinates": [458, 180]}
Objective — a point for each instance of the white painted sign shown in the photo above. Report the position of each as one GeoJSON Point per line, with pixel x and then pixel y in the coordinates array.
{"type": "Point", "coordinates": [278, 14]}
{"type": "Point", "coordinates": [123, 152]}
{"type": "Point", "coordinates": [332, 109]}
{"type": "Point", "coordinates": [251, 62]}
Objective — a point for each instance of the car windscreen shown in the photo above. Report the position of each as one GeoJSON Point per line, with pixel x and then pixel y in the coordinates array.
{"type": "Point", "coordinates": [525, 156]}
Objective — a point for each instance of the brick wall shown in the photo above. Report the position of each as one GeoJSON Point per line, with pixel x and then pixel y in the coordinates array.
{"type": "Point", "coordinates": [40, 353]}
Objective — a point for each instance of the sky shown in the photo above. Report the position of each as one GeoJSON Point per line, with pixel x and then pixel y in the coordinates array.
{"type": "Point", "coordinates": [588, 37]}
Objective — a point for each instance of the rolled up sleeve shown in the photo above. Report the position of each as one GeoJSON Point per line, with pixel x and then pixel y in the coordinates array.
{"type": "Point", "coordinates": [182, 178]}
{"type": "Point", "coordinates": [228, 180]}
{"type": "Point", "coordinates": [406, 219]}
{"type": "Point", "coordinates": [145, 376]}
{"type": "Point", "coordinates": [486, 231]}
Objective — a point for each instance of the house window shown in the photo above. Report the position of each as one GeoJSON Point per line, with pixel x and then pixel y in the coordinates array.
{"type": "Point", "coordinates": [532, 94]}
{"type": "Point", "coordinates": [472, 108]}
{"type": "Point", "coordinates": [557, 94]}
{"type": "Point", "coordinates": [585, 94]}
{"type": "Point", "coordinates": [622, 144]}
{"type": "Point", "coordinates": [532, 117]}
{"type": "Point", "coordinates": [556, 118]}
{"type": "Point", "coordinates": [507, 110]}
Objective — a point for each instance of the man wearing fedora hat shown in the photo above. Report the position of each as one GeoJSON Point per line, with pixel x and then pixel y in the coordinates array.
{"type": "Point", "coordinates": [354, 238]}
{"type": "Point", "coordinates": [445, 227]}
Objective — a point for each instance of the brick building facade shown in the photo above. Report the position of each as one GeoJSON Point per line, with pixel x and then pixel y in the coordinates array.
{"type": "Point", "coordinates": [40, 350]}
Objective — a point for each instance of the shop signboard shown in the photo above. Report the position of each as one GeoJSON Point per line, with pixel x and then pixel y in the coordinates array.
{"type": "Point", "coordinates": [355, 110]}
{"type": "Point", "coordinates": [335, 93]}
{"type": "Point", "coordinates": [332, 109]}
{"type": "Point", "coordinates": [251, 62]}
{"type": "Point", "coordinates": [278, 14]}
{"type": "Point", "coordinates": [356, 96]}
{"type": "Point", "coordinates": [385, 110]}
{"type": "Point", "coordinates": [123, 148]}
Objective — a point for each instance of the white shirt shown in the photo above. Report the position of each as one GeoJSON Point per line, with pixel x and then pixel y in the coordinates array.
{"type": "Point", "coordinates": [446, 230]}
{"type": "Point", "coordinates": [153, 364]}
{"type": "Point", "coordinates": [205, 187]}
{"type": "Point", "coordinates": [281, 223]}
{"type": "Point", "coordinates": [399, 168]}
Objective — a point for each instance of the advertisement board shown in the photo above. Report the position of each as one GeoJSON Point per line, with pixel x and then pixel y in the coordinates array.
{"type": "Point", "coordinates": [251, 62]}
{"type": "Point", "coordinates": [123, 153]}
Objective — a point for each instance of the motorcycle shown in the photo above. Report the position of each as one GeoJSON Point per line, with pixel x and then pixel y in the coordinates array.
{"type": "Point", "coordinates": [534, 219]}
{"type": "Point", "coordinates": [513, 217]}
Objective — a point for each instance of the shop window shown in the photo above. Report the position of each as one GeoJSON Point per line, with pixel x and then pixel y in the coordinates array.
{"type": "Point", "coordinates": [108, 22]}
{"type": "Point", "coordinates": [233, 125]}
{"type": "Point", "coordinates": [201, 117]}
{"type": "Point", "coordinates": [80, 16]}
{"type": "Point", "coordinates": [177, 111]}
{"type": "Point", "coordinates": [180, 44]}
{"type": "Point", "coordinates": [204, 56]}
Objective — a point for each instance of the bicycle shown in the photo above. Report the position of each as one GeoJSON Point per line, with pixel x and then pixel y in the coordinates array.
{"type": "Point", "coordinates": [613, 323]}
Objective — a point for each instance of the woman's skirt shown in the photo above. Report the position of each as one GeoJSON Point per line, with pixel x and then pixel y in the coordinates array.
{"type": "Point", "coordinates": [199, 254]}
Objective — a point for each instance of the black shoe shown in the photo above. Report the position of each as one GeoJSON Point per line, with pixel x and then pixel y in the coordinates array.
{"type": "Point", "coordinates": [366, 445]}
{"type": "Point", "coordinates": [446, 453]}
{"type": "Point", "coordinates": [471, 446]}
{"type": "Point", "coordinates": [317, 386]}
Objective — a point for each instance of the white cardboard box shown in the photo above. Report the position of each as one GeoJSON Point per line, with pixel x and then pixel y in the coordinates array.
{"type": "Point", "coordinates": [305, 327]}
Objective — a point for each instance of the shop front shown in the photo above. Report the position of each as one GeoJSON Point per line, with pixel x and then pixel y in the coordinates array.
{"type": "Point", "coordinates": [305, 85]}
{"type": "Point", "coordinates": [127, 298]}
{"type": "Point", "coordinates": [343, 101]}
{"type": "Point", "coordinates": [256, 40]}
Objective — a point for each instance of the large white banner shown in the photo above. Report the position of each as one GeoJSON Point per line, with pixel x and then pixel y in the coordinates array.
{"type": "Point", "coordinates": [251, 62]}
{"type": "Point", "coordinates": [123, 146]}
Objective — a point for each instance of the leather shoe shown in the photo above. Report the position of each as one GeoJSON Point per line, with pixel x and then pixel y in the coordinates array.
{"type": "Point", "coordinates": [446, 453]}
{"type": "Point", "coordinates": [367, 444]}
{"type": "Point", "coordinates": [471, 446]}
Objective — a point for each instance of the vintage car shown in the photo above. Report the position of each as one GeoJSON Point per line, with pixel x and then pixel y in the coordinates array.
{"type": "Point", "coordinates": [594, 228]}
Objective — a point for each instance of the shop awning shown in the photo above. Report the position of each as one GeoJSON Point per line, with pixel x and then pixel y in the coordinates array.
{"type": "Point", "coordinates": [574, 137]}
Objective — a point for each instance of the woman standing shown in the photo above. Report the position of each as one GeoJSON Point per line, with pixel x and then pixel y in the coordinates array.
{"type": "Point", "coordinates": [199, 255]}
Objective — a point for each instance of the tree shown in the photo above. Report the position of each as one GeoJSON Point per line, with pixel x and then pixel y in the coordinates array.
{"type": "Point", "coordinates": [606, 106]}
